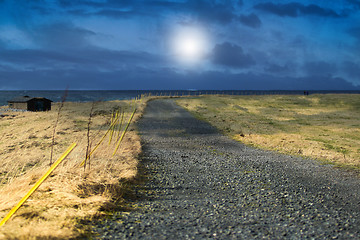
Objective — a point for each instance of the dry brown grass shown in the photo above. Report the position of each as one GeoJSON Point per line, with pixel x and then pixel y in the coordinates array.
{"type": "Point", "coordinates": [325, 127]}
{"type": "Point", "coordinates": [70, 194]}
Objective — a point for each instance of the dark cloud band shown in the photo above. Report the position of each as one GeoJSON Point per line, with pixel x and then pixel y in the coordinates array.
{"type": "Point", "coordinates": [295, 9]}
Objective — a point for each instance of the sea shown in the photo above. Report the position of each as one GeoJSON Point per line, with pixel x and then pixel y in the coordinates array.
{"type": "Point", "coordinates": [108, 95]}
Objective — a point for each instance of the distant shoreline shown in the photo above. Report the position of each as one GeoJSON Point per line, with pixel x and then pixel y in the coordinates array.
{"type": "Point", "coordinates": [108, 95]}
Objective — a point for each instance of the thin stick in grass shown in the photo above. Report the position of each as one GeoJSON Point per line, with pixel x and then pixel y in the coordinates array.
{"type": "Point", "coordinates": [88, 146]}
{"type": "Point", "coordinates": [101, 140]}
{"type": "Point", "coordinates": [113, 122]}
{"type": "Point", "coordinates": [56, 123]}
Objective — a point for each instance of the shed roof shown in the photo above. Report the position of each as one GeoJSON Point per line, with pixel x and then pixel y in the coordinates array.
{"type": "Point", "coordinates": [26, 99]}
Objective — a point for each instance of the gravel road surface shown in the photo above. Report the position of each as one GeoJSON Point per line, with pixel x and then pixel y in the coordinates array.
{"type": "Point", "coordinates": [202, 185]}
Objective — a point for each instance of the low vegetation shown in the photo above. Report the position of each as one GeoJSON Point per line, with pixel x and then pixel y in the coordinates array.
{"type": "Point", "coordinates": [71, 194]}
{"type": "Point", "coordinates": [324, 127]}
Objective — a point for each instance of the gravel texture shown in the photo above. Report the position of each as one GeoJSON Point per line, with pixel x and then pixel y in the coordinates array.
{"type": "Point", "coordinates": [202, 185]}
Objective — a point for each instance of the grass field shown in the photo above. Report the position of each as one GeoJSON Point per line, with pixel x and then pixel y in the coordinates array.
{"type": "Point", "coordinates": [324, 127]}
{"type": "Point", "coordinates": [70, 194]}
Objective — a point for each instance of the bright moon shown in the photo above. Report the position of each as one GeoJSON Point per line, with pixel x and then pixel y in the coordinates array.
{"type": "Point", "coordinates": [189, 44]}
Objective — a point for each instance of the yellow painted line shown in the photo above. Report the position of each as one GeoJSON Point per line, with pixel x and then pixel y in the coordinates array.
{"type": "Point", "coordinates": [37, 184]}
{"type": "Point", "coordinates": [123, 134]}
{"type": "Point", "coordinates": [97, 145]}
{"type": "Point", "coordinates": [120, 126]}
{"type": "Point", "coordinates": [113, 125]}
{"type": "Point", "coordinates": [112, 117]}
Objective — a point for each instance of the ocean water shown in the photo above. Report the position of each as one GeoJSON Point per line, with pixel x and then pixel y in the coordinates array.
{"type": "Point", "coordinates": [108, 95]}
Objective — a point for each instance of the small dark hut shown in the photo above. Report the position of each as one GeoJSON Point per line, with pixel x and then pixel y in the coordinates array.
{"type": "Point", "coordinates": [30, 103]}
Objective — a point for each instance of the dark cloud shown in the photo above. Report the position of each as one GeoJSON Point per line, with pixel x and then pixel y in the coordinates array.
{"type": "Point", "coordinates": [62, 36]}
{"type": "Point", "coordinates": [161, 79]}
{"type": "Point", "coordinates": [40, 9]}
{"type": "Point", "coordinates": [110, 9]}
{"type": "Point", "coordinates": [115, 13]}
{"type": "Point", "coordinates": [278, 69]}
{"type": "Point", "coordinates": [212, 10]}
{"type": "Point", "coordinates": [355, 32]}
{"type": "Point", "coordinates": [295, 9]}
{"type": "Point", "coordinates": [231, 55]}
{"type": "Point", "coordinates": [65, 54]}
{"type": "Point", "coordinates": [251, 20]}
{"type": "Point", "coordinates": [205, 11]}
{"type": "Point", "coordinates": [320, 68]}
{"type": "Point", "coordinates": [355, 3]}
{"type": "Point", "coordinates": [322, 83]}
{"type": "Point", "coordinates": [290, 9]}
{"type": "Point", "coordinates": [70, 3]}
{"type": "Point", "coordinates": [90, 58]}
{"type": "Point", "coordinates": [2, 44]}
{"type": "Point", "coordinates": [352, 69]}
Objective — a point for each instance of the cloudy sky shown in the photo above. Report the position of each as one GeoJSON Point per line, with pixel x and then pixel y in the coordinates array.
{"type": "Point", "coordinates": [174, 44]}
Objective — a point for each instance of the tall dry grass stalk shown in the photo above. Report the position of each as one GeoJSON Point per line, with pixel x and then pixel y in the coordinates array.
{"type": "Point", "coordinates": [69, 194]}
{"type": "Point", "coordinates": [88, 146]}
{"type": "Point", "coordinates": [113, 122]}
{"type": "Point", "coordinates": [63, 99]}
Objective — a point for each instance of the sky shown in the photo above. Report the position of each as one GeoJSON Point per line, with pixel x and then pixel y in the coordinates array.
{"type": "Point", "coordinates": [174, 44]}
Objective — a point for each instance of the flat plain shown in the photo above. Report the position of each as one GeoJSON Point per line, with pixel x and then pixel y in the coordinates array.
{"type": "Point", "coordinates": [319, 126]}
{"type": "Point", "coordinates": [324, 127]}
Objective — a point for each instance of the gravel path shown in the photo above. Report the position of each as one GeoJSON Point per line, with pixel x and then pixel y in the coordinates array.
{"type": "Point", "coordinates": [203, 185]}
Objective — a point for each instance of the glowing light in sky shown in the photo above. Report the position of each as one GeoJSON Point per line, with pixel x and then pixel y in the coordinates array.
{"type": "Point", "coordinates": [189, 44]}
